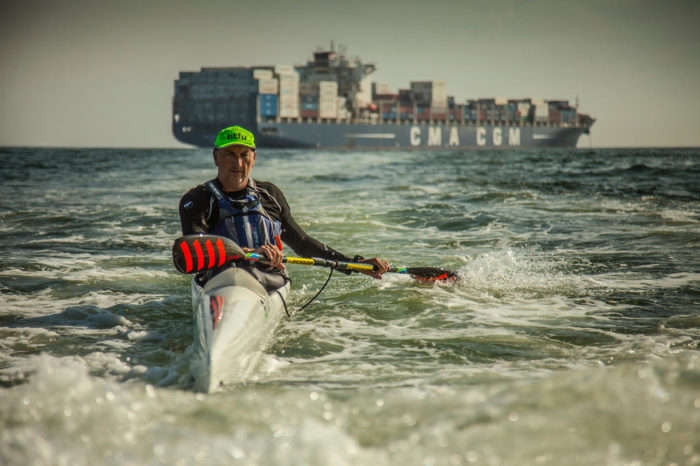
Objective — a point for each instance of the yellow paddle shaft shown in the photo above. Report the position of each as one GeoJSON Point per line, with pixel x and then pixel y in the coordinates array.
{"type": "Point", "coordinates": [329, 263]}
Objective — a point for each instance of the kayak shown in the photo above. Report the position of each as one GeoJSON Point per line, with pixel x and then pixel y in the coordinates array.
{"type": "Point", "coordinates": [234, 315]}
{"type": "Point", "coordinates": [234, 320]}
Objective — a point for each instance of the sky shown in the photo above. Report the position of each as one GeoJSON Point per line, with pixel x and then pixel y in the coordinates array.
{"type": "Point", "coordinates": [91, 73]}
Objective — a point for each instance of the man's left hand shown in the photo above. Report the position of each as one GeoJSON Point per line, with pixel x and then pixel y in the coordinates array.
{"type": "Point", "coordinates": [382, 267]}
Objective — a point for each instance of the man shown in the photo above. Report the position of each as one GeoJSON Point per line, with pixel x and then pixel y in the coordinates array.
{"type": "Point", "coordinates": [254, 214]}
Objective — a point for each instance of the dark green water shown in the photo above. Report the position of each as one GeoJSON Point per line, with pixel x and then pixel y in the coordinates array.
{"type": "Point", "coordinates": [572, 338]}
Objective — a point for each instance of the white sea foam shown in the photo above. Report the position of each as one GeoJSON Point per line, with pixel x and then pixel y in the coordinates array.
{"type": "Point", "coordinates": [680, 216]}
{"type": "Point", "coordinates": [519, 273]}
{"type": "Point", "coordinates": [46, 303]}
{"type": "Point", "coordinates": [62, 414]}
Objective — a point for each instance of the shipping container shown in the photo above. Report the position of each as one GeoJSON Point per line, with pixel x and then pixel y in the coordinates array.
{"type": "Point", "coordinates": [289, 86]}
{"type": "Point", "coordinates": [268, 98]}
{"type": "Point", "coordinates": [309, 114]}
{"type": "Point", "coordinates": [429, 92]}
{"type": "Point", "coordinates": [289, 107]}
{"type": "Point", "coordinates": [524, 108]}
{"type": "Point", "coordinates": [289, 78]}
{"type": "Point", "coordinates": [387, 97]}
{"type": "Point", "coordinates": [554, 116]}
{"type": "Point", "coordinates": [328, 109]}
{"type": "Point", "coordinates": [305, 98]}
{"type": "Point", "coordinates": [327, 98]}
{"type": "Point", "coordinates": [541, 111]}
{"type": "Point", "coordinates": [328, 103]}
{"type": "Point", "coordinates": [289, 113]}
{"type": "Point", "coordinates": [308, 88]}
{"type": "Point", "coordinates": [262, 74]}
{"type": "Point", "coordinates": [568, 115]}
{"type": "Point", "coordinates": [268, 105]}
{"type": "Point", "coordinates": [558, 104]}
{"type": "Point", "coordinates": [328, 89]}
{"type": "Point", "coordinates": [287, 92]}
{"type": "Point", "coordinates": [284, 69]}
{"type": "Point", "coordinates": [288, 101]}
{"type": "Point", "coordinates": [267, 86]}
{"type": "Point", "coordinates": [422, 113]}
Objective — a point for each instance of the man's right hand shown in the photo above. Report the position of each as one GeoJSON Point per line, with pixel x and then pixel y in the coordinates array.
{"type": "Point", "coordinates": [273, 254]}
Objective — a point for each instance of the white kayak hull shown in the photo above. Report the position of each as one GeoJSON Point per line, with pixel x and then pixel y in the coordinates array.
{"type": "Point", "coordinates": [234, 320]}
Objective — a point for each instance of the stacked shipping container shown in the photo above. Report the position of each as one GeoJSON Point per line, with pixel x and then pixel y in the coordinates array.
{"type": "Point", "coordinates": [216, 94]}
{"type": "Point", "coordinates": [289, 93]}
{"type": "Point", "coordinates": [308, 95]}
{"type": "Point", "coordinates": [328, 99]}
{"type": "Point", "coordinates": [430, 99]}
{"type": "Point", "coordinates": [268, 87]}
{"type": "Point", "coordinates": [281, 94]}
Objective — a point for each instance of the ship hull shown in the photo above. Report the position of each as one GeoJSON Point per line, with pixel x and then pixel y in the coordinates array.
{"type": "Point", "coordinates": [393, 136]}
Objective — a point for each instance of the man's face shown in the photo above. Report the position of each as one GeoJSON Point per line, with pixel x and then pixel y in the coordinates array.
{"type": "Point", "coordinates": [234, 163]}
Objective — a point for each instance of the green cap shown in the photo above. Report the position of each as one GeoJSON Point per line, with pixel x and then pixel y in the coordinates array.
{"type": "Point", "coordinates": [234, 135]}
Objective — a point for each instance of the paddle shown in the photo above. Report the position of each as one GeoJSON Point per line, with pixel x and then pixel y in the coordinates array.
{"type": "Point", "coordinates": [195, 253]}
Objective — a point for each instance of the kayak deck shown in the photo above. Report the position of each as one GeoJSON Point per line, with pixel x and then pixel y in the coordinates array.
{"type": "Point", "coordinates": [234, 320]}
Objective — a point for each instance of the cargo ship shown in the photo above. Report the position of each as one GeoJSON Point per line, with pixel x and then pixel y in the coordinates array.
{"type": "Point", "coordinates": [331, 102]}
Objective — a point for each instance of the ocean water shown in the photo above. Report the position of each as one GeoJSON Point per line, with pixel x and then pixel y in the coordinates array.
{"type": "Point", "coordinates": [571, 338]}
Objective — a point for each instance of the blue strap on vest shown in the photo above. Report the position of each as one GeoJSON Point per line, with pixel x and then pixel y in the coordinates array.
{"type": "Point", "coordinates": [244, 221]}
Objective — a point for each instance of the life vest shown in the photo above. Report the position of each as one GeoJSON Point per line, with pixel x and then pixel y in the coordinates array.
{"type": "Point", "coordinates": [245, 221]}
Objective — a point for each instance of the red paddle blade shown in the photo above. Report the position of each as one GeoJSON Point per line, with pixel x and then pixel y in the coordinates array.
{"type": "Point", "coordinates": [195, 253]}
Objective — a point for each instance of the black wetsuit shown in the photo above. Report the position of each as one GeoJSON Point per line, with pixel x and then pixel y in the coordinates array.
{"type": "Point", "coordinates": [199, 213]}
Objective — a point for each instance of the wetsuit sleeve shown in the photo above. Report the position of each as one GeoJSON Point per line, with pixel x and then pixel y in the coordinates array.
{"type": "Point", "coordinates": [294, 236]}
{"type": "Point", "coordinates": [198, 213]}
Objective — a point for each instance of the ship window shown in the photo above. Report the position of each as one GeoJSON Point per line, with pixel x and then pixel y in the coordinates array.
{"type": "Point", "coordinates": [269, 131]}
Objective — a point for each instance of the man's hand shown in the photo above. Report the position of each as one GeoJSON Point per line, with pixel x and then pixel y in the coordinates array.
{"type": "Point", "coordinates": [273, 254]}
{"type": "Point", "coordinates": [382, 267]}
